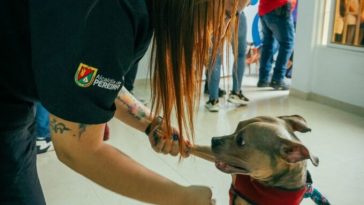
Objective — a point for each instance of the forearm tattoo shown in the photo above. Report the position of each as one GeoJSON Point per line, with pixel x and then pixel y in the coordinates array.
{"type": "Point", "coordinates": [58, 127]}
{"type": "Point", "coordinates": [132, 106]}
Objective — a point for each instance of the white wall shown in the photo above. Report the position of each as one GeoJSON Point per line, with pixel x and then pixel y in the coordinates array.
{"type": "Point", "coordinates": [322, 69]}
{"type": "Point", "coordinates": [143, 67]}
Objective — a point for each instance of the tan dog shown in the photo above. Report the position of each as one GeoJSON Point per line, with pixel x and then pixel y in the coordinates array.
{"type": "Point", "coordinates": [268, 155]}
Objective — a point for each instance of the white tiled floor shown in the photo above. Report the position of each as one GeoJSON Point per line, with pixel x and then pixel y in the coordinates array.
{"type": "Point", "coordinates": [337, 138]}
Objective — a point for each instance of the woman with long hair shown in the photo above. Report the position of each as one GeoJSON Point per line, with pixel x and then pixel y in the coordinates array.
{"type": "Point", "coordinates": [71, 56]}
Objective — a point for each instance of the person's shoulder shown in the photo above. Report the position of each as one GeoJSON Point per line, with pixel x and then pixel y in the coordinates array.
{"type": "Point", "coordinates": [139, 11]}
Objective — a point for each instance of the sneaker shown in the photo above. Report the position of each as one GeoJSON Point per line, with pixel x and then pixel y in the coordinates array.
{"type": "Point", "coordinates": [238, 98]}
{"type": "Point", "coordinates": [212, 105]}
{"type": "Point", "coordinates": [221, 91]}
{"type": "Point", "coordinates": [43, 144]}
{"type": "Point", "coordinates": [279, 85]}
{"type": "Point", "coordinates": [262, 84]}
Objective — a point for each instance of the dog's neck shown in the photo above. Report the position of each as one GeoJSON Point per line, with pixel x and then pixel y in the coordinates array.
{"type": "Point", "coordinates": [291, 177]}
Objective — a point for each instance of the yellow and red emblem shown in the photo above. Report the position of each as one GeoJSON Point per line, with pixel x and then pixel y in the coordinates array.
{"type": "Point", "coordinates": [85, 75]}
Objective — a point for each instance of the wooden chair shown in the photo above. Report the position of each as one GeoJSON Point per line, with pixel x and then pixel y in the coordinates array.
{"type": "Point", "coordinates": [252, 57]}
{"type": "Point", "coordinates": [352, 17]}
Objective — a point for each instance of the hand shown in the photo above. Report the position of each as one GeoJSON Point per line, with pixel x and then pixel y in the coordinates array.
{"type": "Point", "coordinates": [161, 143]}
{"type": "Point", "coordinates": [199, 195]}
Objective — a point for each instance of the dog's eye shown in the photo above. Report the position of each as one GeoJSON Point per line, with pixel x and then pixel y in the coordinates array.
{"type": "Point", "coordinates": [240, 139]}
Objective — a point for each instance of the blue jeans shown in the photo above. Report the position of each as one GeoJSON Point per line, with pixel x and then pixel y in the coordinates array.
{"type": "Point", "coordinates": [275, 28]}
{"type": "Point", "coordinates": [42, 122]}
{"type": "Point", "coordinates": [238, 71]}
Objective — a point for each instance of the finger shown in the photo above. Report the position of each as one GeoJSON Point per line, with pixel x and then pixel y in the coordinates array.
{"type": "Point", "coordinates": [175, 148]}
{"type": "Point", "coordinates": [156, 142]}
{"type": "Point", "coordinates": [186, 149]}
{"type": "Point", "coordinates": [167, 147]}
{"type": "Point", "coordinates": [173, 145]}
{"type": "Point", "coordinates": [153, 139]}
{"type": "Point", "coordinates": [153, 136]}
{"type": "Point", "coordinates": [188, 143]}
{"type": "Point", "coordinates": [161, 142]}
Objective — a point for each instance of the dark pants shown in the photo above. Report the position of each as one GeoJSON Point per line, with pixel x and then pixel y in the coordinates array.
{"type": "Point", "coordinates": [19, 183]}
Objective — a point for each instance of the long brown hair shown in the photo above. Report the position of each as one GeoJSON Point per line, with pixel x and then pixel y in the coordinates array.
{"type": "Point", "coordinates": [182, 45]}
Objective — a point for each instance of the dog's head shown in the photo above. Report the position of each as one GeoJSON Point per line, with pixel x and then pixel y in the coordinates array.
{"type": "Point", "coordinates": [262, 146]}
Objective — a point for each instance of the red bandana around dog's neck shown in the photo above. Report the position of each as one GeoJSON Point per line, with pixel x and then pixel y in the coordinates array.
{"type": "Point", "coordinates": [256, 193]}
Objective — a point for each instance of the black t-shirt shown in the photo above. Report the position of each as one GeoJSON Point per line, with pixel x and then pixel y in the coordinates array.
{"type": "Point", "coordinates": [80, 51]}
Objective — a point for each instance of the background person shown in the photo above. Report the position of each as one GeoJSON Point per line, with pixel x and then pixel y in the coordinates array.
{"type": "Point", "coordinates": [43, 136]}
{"type": "Point", "coordinates": [236, 96]}
{"type": "Point", "coordinates": [277, 25]}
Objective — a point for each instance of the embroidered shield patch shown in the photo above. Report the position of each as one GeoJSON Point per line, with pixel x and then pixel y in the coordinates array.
{"type": "Point", "coordinates": [85, 75]}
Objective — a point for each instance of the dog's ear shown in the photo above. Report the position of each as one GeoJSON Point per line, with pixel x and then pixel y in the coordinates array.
{"type": "Point", "coordinates": [296, 123]}
{"type": "Point", "coordinates": [294, 152]}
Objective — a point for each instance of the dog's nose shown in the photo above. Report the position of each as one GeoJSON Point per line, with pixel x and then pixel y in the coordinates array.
{"type": "Point", "coordinates": [216, 141]}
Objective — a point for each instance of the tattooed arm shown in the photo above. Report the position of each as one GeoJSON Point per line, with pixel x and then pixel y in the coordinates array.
{"type": "Point", "coordinates": [81, 147]}
{"type": "Point", "coordinates": [130, 111]}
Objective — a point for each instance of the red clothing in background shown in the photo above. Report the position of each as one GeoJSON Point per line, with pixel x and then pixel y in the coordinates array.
{"type": "Point", "coordinates": [266, 6]}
